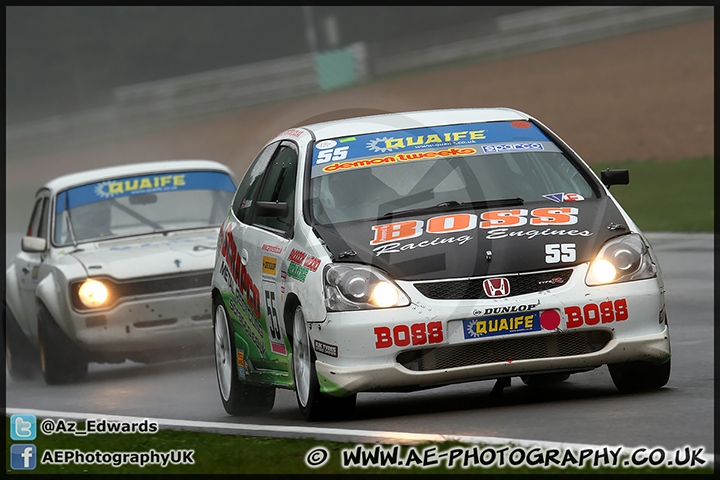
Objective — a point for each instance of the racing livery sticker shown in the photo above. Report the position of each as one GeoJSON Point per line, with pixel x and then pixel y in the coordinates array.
{"type": "Point", "coordinates": [140, 185]}
{"type": "Point", "coordinates": [427, 143]}
{"type": "Point", "coordinates": [452, 152]}
{"type": "Point", "coordinates": [501, 325]}
{"type": "Point", "coordinates": [594, 314]}
{"type": "Point", "coordinates": [243, 300]}
{"type": "Point", "coordinates": [510, 147]}
{"type": "Point", "coordinates": [272, 248]}
{"type": "Point", "coordinates": [461, 222]}
{"type": "Point", "coordinates": [326, 349]}
{"type": "Point", "coordinates": [283, 278]}
{"type": "Point", "coordinates": [269, 265]}
{"type": "Point", "coordinates": [404, 335]}
{"type": "Point", "coordinates": [506, 309]}
{"type": "Point", "coordinates": [241, 363]}
{"type": "Point", "coordinates": [300, 264]}
{"type": "Point", "coordinates": [564, 197]}
{"type": "Point", "coordinates": [272, 320]}
{"type": "Point", "coordinates": [293, 132]}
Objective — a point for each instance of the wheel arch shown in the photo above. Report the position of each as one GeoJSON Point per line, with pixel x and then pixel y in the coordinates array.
{"type": "Point", "coordinates": [48, 295]}
{"type": "Point", "coordinates": [291, 303]}
{"type": "Point", "coordinates": [12, 299]}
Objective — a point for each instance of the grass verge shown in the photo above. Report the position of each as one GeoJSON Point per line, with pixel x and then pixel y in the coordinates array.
{"type": "Point", "coordinates": [673, 196]}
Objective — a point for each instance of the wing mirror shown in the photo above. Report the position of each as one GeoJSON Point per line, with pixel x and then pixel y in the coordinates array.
{"type": "Point", "coordinates": [272, 209]}
{"type": "Point", "coordinates": [33, 244]}
{"type": "Point", "coordinates": [614, 177]}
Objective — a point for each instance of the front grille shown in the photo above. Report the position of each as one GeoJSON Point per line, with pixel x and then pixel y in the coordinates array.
{"type": "Point", "coordinates": [473, 289]}
{"type": "Point", "coordinates": [505, 350]}
{"type": "Point", "coordinates": [172, 283]}
{"type": "Point", "coordinates": [118, 290]}
{"type": "Point", "coordinates": [155, 323]}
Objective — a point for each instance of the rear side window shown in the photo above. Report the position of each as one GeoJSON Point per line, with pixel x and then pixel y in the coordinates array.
{"type": "Point", "coordinates": [250, 182]}
{"type": "Point", "coordinates": [39, 219]}
{"type": "Point", "coordinates": [279, 186]}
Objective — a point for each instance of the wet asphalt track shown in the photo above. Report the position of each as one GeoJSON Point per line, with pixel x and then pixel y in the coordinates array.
{"type": "Point", "coordinates": [587, 409]}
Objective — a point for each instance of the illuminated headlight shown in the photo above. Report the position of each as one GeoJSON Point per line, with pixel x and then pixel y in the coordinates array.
{"type": "Point", "coordinates": [93, 293]}
{"type": "Point", "coordinates": [357, 287]}
{"type": "Point", "coordinates": [621, 259]}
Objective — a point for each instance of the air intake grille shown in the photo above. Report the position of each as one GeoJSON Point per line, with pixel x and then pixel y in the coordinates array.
{"type": "Point", "coordinates": [146, 286]}
{"type": "Point", "coordinates": [504, 350]}
{"type": "Point", "coordinates": [473, 289]}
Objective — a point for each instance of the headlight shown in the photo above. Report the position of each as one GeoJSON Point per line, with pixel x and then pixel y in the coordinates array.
{"type": "Point", "coordinates": [357, 287]}
{"type": "Point", "coordinates": [93, 293]}
{"type": "Point", "coordinates": [621, 259]}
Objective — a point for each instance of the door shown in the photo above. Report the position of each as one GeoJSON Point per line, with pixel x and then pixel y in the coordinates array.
{"type": "Point", "coordinates": [29, 265]}
{"type": "Point", "coordinates": [265, 240]}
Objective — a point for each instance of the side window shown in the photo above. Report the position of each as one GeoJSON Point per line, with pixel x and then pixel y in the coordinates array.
{"type": "Point", "coordinates": [246, 191]}
{"type": "Point", "coordinates": [279, 186]}
{"type": "Point", "coordinates": [39, 220]}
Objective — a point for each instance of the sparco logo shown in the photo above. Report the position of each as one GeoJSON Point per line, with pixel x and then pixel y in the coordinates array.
{"type": "Point", "coordinates": [496, 287]}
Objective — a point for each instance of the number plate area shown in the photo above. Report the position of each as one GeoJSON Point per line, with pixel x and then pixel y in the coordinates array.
{"type": "Point", "coordinates": [507, 324]}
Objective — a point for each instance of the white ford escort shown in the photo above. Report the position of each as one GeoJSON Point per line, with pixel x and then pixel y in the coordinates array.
{"type": "Point", "coordinates": [116, 264]}
{"type": "Point", "coordinates": [403, 251]}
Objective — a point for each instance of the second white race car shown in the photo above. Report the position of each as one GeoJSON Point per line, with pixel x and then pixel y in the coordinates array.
{"type": "Point", "coordinates": [116, 264]}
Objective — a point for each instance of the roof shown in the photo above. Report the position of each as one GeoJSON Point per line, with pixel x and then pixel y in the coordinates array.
{"type": "Point", "coordinates": [96, 175]}
{"type": "Point", "coordinates": [408, 120]}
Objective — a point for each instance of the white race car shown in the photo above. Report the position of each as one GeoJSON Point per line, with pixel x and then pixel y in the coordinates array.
{"type": "Point", "coordinates": [404, 251]}
{"type": "Point", "coordinates": [116, 265]}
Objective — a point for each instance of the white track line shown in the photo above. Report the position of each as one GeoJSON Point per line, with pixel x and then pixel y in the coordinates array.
{"type": "Point", "coordinates": [341, 435]}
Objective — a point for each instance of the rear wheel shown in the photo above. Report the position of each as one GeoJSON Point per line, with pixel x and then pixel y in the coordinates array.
{"type": "Point", "coordinates": [61, 361]}
{"type": "Point", "coordinates": [20, 355]}
{"type": "Point", "coordinates": [238, 398]}
{"type": "Point", "coordinates": [639, 376]}
{"type": "Point", "coordinates": [313, 404]}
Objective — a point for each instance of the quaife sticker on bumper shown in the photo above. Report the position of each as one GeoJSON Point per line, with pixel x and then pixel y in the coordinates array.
{"type": "Point", "coordinates": [502, 325]}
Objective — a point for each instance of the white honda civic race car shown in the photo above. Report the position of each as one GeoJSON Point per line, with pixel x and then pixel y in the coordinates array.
{"type": "Point", "coordinates": [116, 264]}
{"type": "Point", "coordinates": [404, 251]}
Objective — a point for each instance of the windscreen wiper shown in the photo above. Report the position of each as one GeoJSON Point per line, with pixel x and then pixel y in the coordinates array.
{"type": "Point", "coordinates": [455, 205]}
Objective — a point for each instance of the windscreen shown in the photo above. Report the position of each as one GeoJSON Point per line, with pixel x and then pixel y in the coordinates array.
{"type": "Point", "coordinates": [372, 176]}
{"type": "Point", "coordinates": [142, 204]}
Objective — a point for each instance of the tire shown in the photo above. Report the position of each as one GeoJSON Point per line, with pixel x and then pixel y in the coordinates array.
{"type": "Point", "coordinates": [21, 356]}
{"type": "Point", "coordinates": [313, 404]}
{"type": "Point", "coordinates": [238, 398]}
{"type": "Point", "coordinates": [544, 379]}
{"type": "Point", "coordinates": [639, 376]}
{"type": "Point", "coordinates": [61, 361]}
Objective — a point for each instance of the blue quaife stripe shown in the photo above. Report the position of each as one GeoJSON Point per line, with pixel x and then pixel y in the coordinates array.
{"type": "Point", "coordinates": [137, 185]}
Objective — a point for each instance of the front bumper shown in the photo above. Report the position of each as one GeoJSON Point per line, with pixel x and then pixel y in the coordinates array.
{"type": "Point", "coordinates": [155, 322]}
{"type": "Point", "coordinates": [387, 377]}
{"type": "Point", "coordinates": [426, 344]}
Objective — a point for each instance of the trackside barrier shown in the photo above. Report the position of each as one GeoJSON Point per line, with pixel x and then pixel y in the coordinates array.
{"type": "Point", "coordinates": [144, 105]}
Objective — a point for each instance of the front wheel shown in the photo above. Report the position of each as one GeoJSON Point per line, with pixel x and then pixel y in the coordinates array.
{"type": "Point", "coordinates": [639, 376]}
{"type": "Point", "coordinates": [313, 404]}
{"type": "Point", "coordinates": [61, 361]}
{"type": "Point", "coordinates": [238, 398]}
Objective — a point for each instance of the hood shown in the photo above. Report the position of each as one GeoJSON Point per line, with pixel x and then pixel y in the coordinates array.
{"type": "Point", "coordinates": [481, 242]}
{"type": "Point", "coordinates": [136, 257]}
